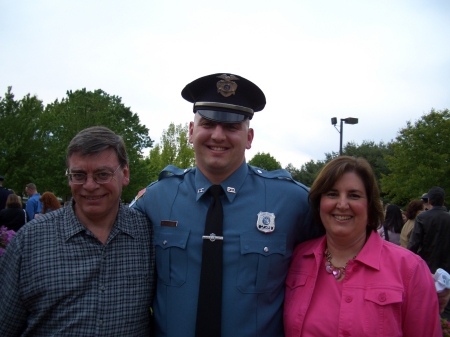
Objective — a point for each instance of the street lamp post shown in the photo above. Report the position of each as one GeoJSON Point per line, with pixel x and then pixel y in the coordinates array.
{"type": "Point", "coordinates": [348, 120]}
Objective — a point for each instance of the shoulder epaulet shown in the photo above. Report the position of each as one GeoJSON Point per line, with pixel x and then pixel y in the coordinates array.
{"type": "Point", "coordinates": [171, 171]}
{"type": "Point", "coordinates": [277, 174]}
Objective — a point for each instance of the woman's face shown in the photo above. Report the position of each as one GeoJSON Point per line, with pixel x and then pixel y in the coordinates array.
{"type": "Point", "coordinates": [344, 208]}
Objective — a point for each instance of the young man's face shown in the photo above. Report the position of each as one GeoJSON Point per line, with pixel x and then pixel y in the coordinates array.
{"type": "Point", "coordinates": [219, 147]}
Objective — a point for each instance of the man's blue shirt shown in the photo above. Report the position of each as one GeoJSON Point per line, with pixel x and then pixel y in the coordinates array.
{"type": "Point", "coordinates": [34, 206]}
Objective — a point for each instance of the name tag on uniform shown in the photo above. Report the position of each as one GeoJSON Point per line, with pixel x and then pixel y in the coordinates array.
{"type": "Point", "coordinates": [169, 223]}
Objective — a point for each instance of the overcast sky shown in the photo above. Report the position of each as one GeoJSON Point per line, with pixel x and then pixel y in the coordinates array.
{"type": "Point", "coordinates": [384, 62]}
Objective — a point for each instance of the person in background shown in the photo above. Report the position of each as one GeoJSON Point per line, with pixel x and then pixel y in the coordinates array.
{"type": "Point", "coordinates": [3, 193]}
{"type": "Point", "coordinates": [351, 282]}
{"type": "Point", "coordinates": [263, 216]}
{"type": "Point", "coordinates": [393, 224]}
{"type": "Point", "coordinates": [34, 206]}
{"type": "Point", "coordinates": [85, 269]}
{"type": "Point", "coordinates": [404, 217]}
{"type": "Point", "coordinates": [430, 238]}
{"type": "Point", "coordinates": [49, 202]}
{"type": "Point", "coordinates": [426, 204]}
{"type": "Point", "coordinates": [13, 216]}
{"type": "Point", "coordinates": [414, 208]}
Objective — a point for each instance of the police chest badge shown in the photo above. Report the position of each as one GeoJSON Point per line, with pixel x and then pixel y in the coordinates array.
{"type": "Point", "coordinates": [265, 222]}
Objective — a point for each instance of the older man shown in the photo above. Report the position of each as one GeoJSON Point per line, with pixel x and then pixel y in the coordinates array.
{"type": "Point", "coordinates": [85, 269]}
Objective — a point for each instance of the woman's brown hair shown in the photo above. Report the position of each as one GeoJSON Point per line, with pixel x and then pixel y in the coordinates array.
{"type": "Point", "coordinates": [332, 172]}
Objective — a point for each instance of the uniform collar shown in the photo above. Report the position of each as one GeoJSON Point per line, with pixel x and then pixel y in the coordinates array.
{"type": "Point", "coordinates": [231, 185]}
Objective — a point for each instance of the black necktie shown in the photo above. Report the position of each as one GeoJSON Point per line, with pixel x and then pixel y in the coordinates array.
{"type": "Point", "coordinates": [209, 309]}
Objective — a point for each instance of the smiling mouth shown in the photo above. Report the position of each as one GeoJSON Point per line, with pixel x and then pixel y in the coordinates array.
{"type": "Point", "coordinates": [342, 217]}
{"type": "Point", "coordinates": [93, 198]}
{"type": "Point", "coordinates": [216, 148]}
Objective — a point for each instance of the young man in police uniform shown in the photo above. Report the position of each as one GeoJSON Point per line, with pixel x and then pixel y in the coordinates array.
{"type": "Point", "coordinates": [265, 214]}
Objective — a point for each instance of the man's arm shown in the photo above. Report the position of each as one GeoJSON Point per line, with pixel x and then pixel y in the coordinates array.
{"type": "Point", "coordinates": [13, 315]}
{"type": "Point", "coordinates": [416, 235]}
{"type": "Point", "coordinates": [30, 208]}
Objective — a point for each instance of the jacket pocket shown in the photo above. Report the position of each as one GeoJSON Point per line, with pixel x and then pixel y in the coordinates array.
{"type": "Point", "coordinates": [383, 312]}
{"type": "Point", "coordinates": [171, 255]}
{"type": "Point", "coordinates": [262, 262]}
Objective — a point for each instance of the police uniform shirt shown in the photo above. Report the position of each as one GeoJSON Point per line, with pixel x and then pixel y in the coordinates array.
{"type": "Point", "coordinates": [256, 249]}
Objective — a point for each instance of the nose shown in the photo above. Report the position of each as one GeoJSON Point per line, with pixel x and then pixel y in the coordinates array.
{"type": "Point", "coordinates": [342, 202]}
{"type": "Point", "coordinates": [218, 133]}
{"type": "Point", "coordinates": [90, 183]}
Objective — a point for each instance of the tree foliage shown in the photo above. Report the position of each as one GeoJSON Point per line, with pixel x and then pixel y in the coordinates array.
{"type": "Point", "coordinates": [20, 140]}
{"type": "Point", "coordinates": [420, 158]}
{"type": "Point", "coordinates": [37, 138]}
{"type": "Point", "coordinates": [265, 161]}
{"type": "Point", "coordinates": [307, 173]}
{"type": "Point", "coordinates": [372, 152]}
{"type": "Point", "coordinates": [174, 149]}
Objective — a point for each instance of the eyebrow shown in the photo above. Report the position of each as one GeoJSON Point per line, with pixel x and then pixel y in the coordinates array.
{"type": "Point", "coordinates": [101, 168]}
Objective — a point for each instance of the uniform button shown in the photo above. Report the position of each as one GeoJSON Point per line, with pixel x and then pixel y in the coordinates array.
{"type": "Point", "coordinates": [346, 333]}
{"type": "Point", "coordinates": [100, 322]}
{"type": "Point", "coordinates": [165, 242]}
{"type": "Point", "coordinates": [102, 288]}
{"type": "Point", "coordinates": [246, 247]}
{"type": "Point", "coordinates": [348, 299]}
{"type": "Point", "coordinates": [382, 297]}
{"type": "Point", "coordinates": [266, 249]}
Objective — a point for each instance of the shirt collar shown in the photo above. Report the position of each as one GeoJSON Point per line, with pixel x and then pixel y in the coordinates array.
{"type": "Point", "coordinates": [73, 226]}
{"type": "Point", "coordinates": [231, 185]}
{"type": "Point", "coordinates": [369, 255]}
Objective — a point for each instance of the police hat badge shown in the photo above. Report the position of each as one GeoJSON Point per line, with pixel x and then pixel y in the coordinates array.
{"type": "Point", "coordinates": [265, 222]}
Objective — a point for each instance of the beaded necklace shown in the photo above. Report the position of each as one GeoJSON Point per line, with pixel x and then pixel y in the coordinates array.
{"type": "Point", "coordinates": [338, 272]}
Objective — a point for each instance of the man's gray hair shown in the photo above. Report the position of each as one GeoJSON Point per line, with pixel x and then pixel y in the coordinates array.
{"type": "Point", "coordinates": [95, 140]}
{"type": "Point", "coordinates": [31, 186]}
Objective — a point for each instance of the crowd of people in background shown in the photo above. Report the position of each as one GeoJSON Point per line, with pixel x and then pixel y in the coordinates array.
{"type": "Point", "coordinates": [14, 212]}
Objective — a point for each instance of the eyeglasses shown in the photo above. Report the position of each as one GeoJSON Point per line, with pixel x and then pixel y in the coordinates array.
{"type": "Point", "coordinates": [103, 177]}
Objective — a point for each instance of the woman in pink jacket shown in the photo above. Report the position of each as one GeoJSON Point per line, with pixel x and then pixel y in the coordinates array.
{"type": "Point", "coordinates": [351, 282]}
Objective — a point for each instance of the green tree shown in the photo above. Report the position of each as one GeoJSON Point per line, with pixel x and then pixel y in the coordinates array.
{"type": "Point", "coordinates": [307, 173]}
{"type": "Point", "coordinates": [373, 153]}
{"type": "Point", "coordinates": [174, 149]}
{"type": "Point", "coordinates": [80, 109]}
{"type": "Point", "coordinates": [20, 140]}
{"type": "Point", "coordinates": [420, 158]}
{"type": "Point", "coordinates": [265, 161]}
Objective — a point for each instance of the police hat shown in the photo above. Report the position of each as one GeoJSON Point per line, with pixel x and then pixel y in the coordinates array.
{"type": "Point", "coordinates": [2, 178]}
{"type": "Point", "coordinates": [224, 98]}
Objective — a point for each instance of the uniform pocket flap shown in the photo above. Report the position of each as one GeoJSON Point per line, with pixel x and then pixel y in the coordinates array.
{"type": "Point", "coordinates": [264, 244]}
{"type": "Point", "coordinates": [167, 237]}
{"type": "Point", "coordinates": [384, 296]}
